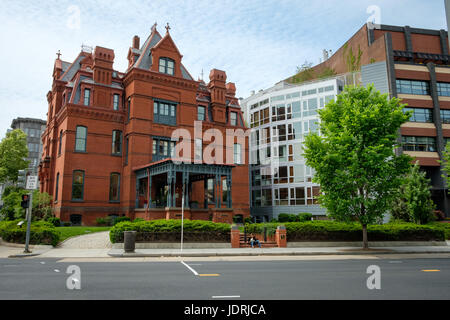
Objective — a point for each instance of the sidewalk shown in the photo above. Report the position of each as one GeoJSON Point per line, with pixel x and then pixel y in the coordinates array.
{"type": "Point", "coordinates": [16, 251]}
{"type": "Point", "coordinates": [310, 251]}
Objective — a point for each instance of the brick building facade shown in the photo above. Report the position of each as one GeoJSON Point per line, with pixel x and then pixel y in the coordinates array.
{"type": "Point", "coordinates": [413, 65]}
{"type": "Point", "coordinates": [109, 146]}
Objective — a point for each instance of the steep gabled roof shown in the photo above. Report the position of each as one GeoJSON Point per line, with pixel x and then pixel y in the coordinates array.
{"type": "Point", "coordinates": [72, 69]}
{"type": "Point", "coordinates": [154, 41]}
{"type": "Point", "coordinates": [145, 60]}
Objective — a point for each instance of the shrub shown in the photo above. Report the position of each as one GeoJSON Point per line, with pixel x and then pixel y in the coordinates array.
{"type": "Point", "coordinates": [167, 226]}
{"type": "Point", "coordinates": [41, 232]}
{"type": "Point", "coordinates": [100, 221]}
{"type": "Point", "coordinates": [339, 231]}
{"type": "Point", "coordinates": [54, 221]}
{"type": "Point", "coordinates": [121, 219]}
{"type": "Point", "coordinates": [248, 220]}
{"type": "Point", "coordinates": [138, 220]}
{"type": "Point", "coordinates": [305, 216]}
{"type": "Point", "coordinates": [444, 226]}
{"type": "Point", "coordinates": [66, 224]}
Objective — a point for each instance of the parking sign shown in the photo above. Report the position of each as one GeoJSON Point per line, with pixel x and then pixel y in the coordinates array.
{"type": "Point", "coordinates": [32, 182]}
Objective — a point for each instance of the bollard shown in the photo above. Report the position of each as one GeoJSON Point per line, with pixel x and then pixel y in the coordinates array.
{"type": "Point", "coordinates": [129, 241]}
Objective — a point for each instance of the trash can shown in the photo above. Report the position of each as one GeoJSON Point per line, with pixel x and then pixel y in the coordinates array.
{"type": "Point", "coordinates": [129, 241]}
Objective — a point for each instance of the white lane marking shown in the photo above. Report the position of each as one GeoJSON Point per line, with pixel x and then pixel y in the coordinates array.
{"type": "Point", "coordinates": [225, 297]}
{"type": "Point", "coordinates": [395, 261]}
{"type": "Point", "coordinates": [193, 271]}
{"type": "Point", "coordinates": [56, 270]}
{"type": "Point", "coordinates": [42, 262]}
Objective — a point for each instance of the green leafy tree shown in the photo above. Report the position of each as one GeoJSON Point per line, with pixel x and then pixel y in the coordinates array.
{"type": "Point", "coordinates": [418, 196]}
{"type": "Point", "coordinates": [399, 207]}
{"type": "Point", "coordinates": [41, 205]}
{"type": "Point", "coordinates": [446, 163]}
{"type": "Point", "coordinates": [13, 152]}
{"type": "Point", "coordinates": [11, 209]}
{"type": "Point", "coordinates": [354, 159]}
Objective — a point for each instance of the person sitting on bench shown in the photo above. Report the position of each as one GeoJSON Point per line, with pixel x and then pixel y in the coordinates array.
{"type": "Point", "coordinates": [253, 240]}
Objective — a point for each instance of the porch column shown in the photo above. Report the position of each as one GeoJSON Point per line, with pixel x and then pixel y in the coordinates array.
{"type": "Point", "coordinates": [186, 188]}
{"type": "Point", "coordinates": [217, 184]}
{"type": "Point", "coordinates": [169, 189]}
{"type": "Point", "coordinates": [206, 193]}
{"type": "Point", "coordinates": [174, 199]}
{"type": "Point", "coordinates": [136, 204]}
{"type": "Point", "coordinates": [229, 203]}
{"type": "Point", "coordinates": [149, 204]}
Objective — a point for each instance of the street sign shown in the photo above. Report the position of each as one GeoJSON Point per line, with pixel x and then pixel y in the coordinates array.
{"type": "Point", "coordinates": [32, 182]}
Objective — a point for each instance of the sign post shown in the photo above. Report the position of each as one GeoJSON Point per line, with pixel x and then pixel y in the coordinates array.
{"type": "Point", "coordinates": [31, 185]}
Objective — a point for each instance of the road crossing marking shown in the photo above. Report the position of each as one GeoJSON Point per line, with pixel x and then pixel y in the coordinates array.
{"type": "Point", "coordinates": [187, 266]}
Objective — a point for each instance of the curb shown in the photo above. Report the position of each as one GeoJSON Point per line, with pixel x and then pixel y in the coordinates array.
{"type": "Point", "coordinates": [24, 255]}
{"type": "Point", "coordinates": [319, 253]}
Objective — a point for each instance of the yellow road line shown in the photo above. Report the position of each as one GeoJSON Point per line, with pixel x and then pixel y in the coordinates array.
{"type": "Point", "coordinates": [431, 270]}
{"type": "Point", "coordinates": [209, 275]}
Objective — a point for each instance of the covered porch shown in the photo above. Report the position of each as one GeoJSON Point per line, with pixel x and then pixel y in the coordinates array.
{"type": "Point", "coordinates": [207, 191]}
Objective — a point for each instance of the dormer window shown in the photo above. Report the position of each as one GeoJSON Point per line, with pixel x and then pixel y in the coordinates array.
{"type": "Point", "coordinates": [167, 66]}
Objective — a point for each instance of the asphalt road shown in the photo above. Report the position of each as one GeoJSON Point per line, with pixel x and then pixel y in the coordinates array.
{"type": "Point", "coordinates": [219, 280]}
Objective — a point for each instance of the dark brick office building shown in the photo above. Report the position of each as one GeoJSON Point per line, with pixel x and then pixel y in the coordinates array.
{"type": "Point", "coordinates": [414, 65]}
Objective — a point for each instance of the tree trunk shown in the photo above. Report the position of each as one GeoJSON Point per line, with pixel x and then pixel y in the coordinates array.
{"type": "Point", "coordinates": [365, 241]}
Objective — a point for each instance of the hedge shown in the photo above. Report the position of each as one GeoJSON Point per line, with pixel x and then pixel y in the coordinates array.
{"type": "Point", "coordinates": [169, 231]}
{"type": "Point", "coordinates": [338, 231]}
{"type": "Point", "coordinates": [445, 226]}
{"type": "Point", "coordinates": [41, 232]}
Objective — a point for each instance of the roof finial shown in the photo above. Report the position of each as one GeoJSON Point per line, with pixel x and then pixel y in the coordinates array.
{"type": "Point", "coordinates": [167, 27]}
{"type": "Point", "coordinates": [154, 27]}
{"type": "Point", "coordinates": [202, 74]}
{"type": "Point", "coordinates": [58, 54]}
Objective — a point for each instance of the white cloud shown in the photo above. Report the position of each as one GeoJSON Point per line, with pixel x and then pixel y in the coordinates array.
{"type": "Point", "coordinates": [257, 43]}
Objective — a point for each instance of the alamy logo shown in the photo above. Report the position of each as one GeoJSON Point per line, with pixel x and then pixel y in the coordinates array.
{"type": "Point", "coordinates": [374, 281]}
{"type": "Point", "coordinates": [74, 20]}
{"type": "Point", "coordinates": [74, 280]}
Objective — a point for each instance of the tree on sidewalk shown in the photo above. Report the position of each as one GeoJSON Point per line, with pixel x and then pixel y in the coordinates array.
{"type": "Point", "coordinates": [354, 158]}
{"type": "Point", "coordinates": [13, 153]}
{"type": "Point", "coordinates": [415, 196]}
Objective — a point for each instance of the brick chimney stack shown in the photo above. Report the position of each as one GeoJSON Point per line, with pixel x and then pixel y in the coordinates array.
{"type": "Point", "coordinates": [217, 87]}
{"type": "Point", "coordinates": [136, 42]}
{"type": "Point", "coordinates": [103, 65]}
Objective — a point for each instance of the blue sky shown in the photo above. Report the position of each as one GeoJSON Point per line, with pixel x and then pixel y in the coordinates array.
{"type": "Point", "coordinates": [257, 43]}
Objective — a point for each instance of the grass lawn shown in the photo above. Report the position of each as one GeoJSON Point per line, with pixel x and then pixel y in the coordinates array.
{"type": "Point", "coordinates": [67, 232]}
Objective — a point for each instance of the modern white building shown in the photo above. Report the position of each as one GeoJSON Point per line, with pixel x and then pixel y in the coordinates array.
{"type": "Point", "coordinates": [280, 117]}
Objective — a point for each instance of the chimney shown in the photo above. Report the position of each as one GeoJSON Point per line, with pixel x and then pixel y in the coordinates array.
{"type": "Point", "coordinates": [231, 89]}
{"type": "Point", "coordinates": [103, 65]}
{"type": "Point", "coordinates": [136, 42]}
{"type": "Point", "coordinates": [217, 88]}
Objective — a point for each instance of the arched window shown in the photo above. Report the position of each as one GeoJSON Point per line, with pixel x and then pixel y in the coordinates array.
{"type": "Point", "coordinates": [167, 66]}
